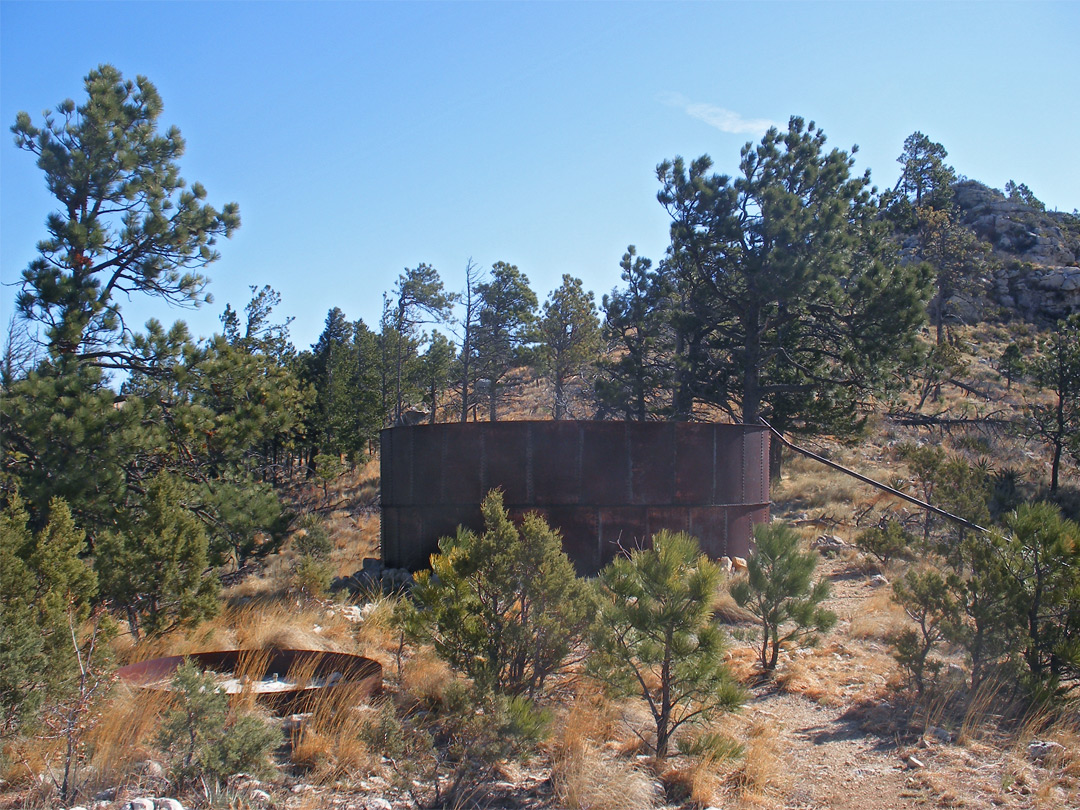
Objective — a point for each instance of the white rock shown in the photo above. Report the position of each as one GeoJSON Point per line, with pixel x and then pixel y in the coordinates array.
{"type": "Point", "coordinates": [877, 580]}
{"type": "Point", "coordinates": [78, 807]}
{"type": "Point", "coordinates": [739, 563]}
{"type": "Point", "coordinates": [1041, 749]}
{"type": "Point", "coordinates": [167, 804]}
{"type": "Point", "coordinates": [939, 734]}
{"type": "Point", "coordinates": [913, 763]}
{"type": "Point", "coordinates": [140, 804]}
{"type": "Point", "coordinates": [378, 804]}
{"type": "Point", "coordinates": [151, 768]}
{"type": "Point", "coordinates": [260, 797]}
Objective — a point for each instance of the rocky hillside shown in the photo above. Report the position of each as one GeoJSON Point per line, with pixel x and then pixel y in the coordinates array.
{"type": "Point", "coordinates": [1036, 272]}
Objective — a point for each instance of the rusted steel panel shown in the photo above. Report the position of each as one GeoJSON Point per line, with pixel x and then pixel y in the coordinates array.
{"type": "Point", "coordinates": [427, 479]}
{"type": "Point", "coordinates": [605, 474]}
{"type": "Point", "coordinates": [651, 451]}
{"type": "Point", "coordinates": [694, 464]}
{"type": "Point", "coordinates": [506, 459]}
{"type": "Point", "coordinates": [710, 526]}
{"type": "Point", "coordinates": [730, 470]}
{"type": "Point", "coordinates": [580, 527]}
{"type": "Point", "coordinates": [621, 530]}
{"type": "Point", "coordinates": [741, 522]}
{"type": "Point", "coordinates": [462, 466]}
{"type": "Point", "coordinates": [605, 485]}
{"type": "Point", "coordinates": [756, 465]}
{"type": "Point", "coordinates": [672, 518]}
{"type": "Point", "coordinates": [556, 462]}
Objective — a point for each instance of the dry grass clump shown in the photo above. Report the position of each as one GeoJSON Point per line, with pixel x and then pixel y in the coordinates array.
{"type": "Point", "coordinates": [877, 618]}
{"type": "Point", "coordinates": [587, 776]}
{"type": "Point", "coordinates": [760, 777]}
{"type": "Point", "coordinates": [588, 773]}
{"type": "Point", "coordinates": [800, 678]}
{"type": "Point", "coordinates": [286, 626]}
{"type": "Point", "coordinates": [425, 677]}
{"type": "Point", "coordinates": [379, 634]}
{"type": "Point", "coordinates": [727, 611]}
{"type": "Point", "coordinates": [329, 742]}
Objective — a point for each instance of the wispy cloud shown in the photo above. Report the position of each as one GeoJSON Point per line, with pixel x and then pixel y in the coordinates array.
{"type": "Point", "coordinates": [721, 118]}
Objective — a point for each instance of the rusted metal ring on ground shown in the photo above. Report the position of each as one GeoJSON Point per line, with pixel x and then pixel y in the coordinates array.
{"type": "Point", "coordinates": [280, 679]}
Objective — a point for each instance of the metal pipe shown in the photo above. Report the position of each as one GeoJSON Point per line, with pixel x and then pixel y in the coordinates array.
{"type": "Point", "coordinates": [910, 498]}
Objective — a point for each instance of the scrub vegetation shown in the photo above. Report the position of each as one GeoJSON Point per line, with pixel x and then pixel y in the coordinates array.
{"type": "Point", "coordinates": [162, 496]}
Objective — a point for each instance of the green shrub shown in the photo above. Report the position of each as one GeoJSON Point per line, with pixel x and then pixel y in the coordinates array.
{"type": "Point", "coordinates": [779, 590]}
{"type": "Point", "coordinates": [887, 541]}
{"type": "Point", "coordinates": [311, 576]}
{"type": "Point", "coordinates": [655, 636]}
{"type": "Point", "coordinates": [504, 607]}
{"type": "Point", "coordinates": [313, 540]}
{"type": "Point", "coordinates": [201, 739]}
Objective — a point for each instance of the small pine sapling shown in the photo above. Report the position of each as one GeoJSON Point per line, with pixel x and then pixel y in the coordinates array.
{"type": "Point", "coordinates": [779, 590]}
{"type": "Point", "coordinates": [655, 636]}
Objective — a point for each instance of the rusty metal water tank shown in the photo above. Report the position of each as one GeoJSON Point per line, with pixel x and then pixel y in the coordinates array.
{"type": "Point", "coordinates": [606, 485]}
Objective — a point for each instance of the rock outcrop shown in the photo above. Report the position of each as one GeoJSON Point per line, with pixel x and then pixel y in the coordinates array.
{"type": "Point", "coordinates": [1037, 273]}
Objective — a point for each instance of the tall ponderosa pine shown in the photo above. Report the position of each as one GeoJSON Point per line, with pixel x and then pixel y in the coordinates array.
{"type": "Point", "coordinates": [504, 326]}
{"type": "Point", "coordinates": [419, 297]}
{"type": "Point", "coordinates": [569, 337]}
{"type": "Point", "coordinates": [799, 306]}
{"type": "Point", "coordinates": [126, 223]}
{"type": "Point", "coordinates": [957, 257]}
{"type": "Point", "coordinates": [926, 180]}
{"type": "Point", "coordinates": [434, 371]}
{"type": "Point", "coordinates": [635, 370]}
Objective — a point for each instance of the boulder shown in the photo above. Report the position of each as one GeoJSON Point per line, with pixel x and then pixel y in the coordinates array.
{"type": "Point", "coordinates": [1041, 750]}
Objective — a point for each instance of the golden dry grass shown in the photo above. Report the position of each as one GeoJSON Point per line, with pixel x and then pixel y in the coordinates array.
{"type": "Point", "coordinates": [587, 776]}
{"type": "Point", "coordinates": [761, 776]}
{"type": "Point", "coordinates": [425, 677]}
{"type": "Point", "coordinates": [329, 743]}
{"type": "Point", "coordinates": [877, 618]}
{"type": "Point", "coordinates": [591, 750]}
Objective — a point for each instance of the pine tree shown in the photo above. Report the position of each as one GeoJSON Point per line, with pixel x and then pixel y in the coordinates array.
{"type": "Point", "coordinates": [504, 324]}
{"type": "Point", "coordinates": [1056, 369]}
{"type": "Point", "coordinates": [569, 337]}
{"type": "Point", "coordinates": [635, 329]}
{"type": "Point", "coordinates": [23, 663]}
{"type": "Point", "coordinates": [780, 592]}
{"type": "Point", "coordinates": [654, 635]}
{"type": "Point", "coordinates": [504, 606]}
{"type": "Point", "coordinates": [126, 222]}
{"type": "Point", "coordinates": [158, 571]}
{"type": "Point", "coordinates": [796, 304]}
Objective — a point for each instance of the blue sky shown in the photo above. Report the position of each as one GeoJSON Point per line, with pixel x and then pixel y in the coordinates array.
{"type": "Point", "coordinates": [363, 138]}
